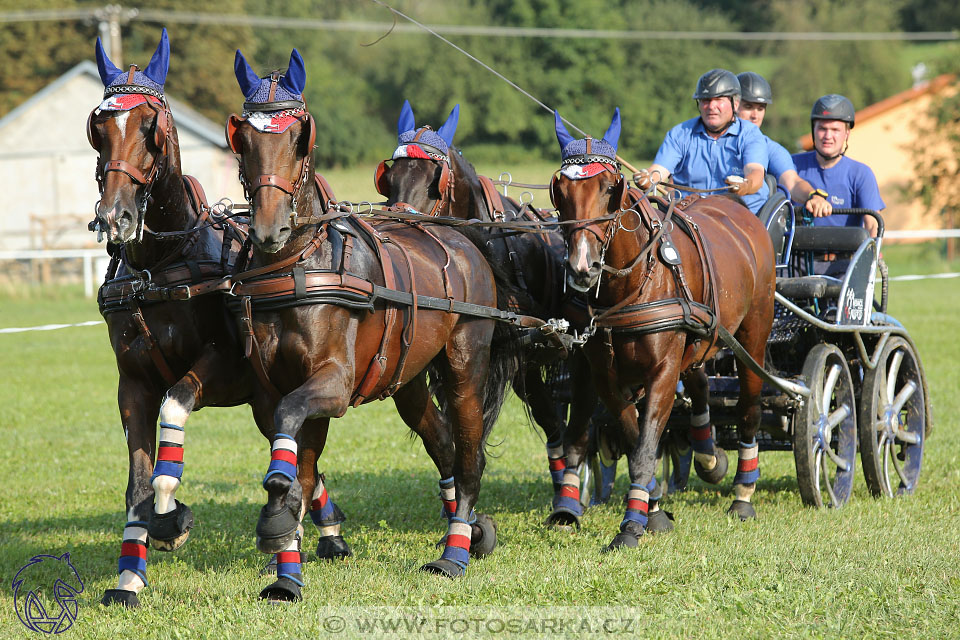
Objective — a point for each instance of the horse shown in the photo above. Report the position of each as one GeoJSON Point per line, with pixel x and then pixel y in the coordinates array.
{"type": "Point", "coordinates": [429, 174]}
{"type": "Point", "coordinates": [344, 312]}
{"type": "Point", "coordinates": [655, 288]}
{"type": "Point", "coordinates": [177, 350]}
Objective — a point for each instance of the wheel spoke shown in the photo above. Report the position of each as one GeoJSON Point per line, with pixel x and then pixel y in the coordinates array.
{"type": "Point", "coordinates": [905, 394]}
{"type": "Point", "coordinates": [839, 414]}
{"type": "Point", "coordinates": [817, 465]}
{"type": "Point", "coordinates": [892, 371]}
{"type": "Point", "coordinates": [837, 460]}
{"type": "Point", "coordinates": [898, 469]}
{"type": "Point", "coordinates": [826, 480]}
{"type": "Point", "coordinates": [830, 381]}
{"type": "Point", "coordinates": [886, 451]}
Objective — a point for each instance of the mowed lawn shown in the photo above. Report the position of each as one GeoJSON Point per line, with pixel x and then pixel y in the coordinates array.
{"type": "Point", "coordinates": [876, 568]}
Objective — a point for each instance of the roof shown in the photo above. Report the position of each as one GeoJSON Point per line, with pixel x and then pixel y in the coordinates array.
{"type": "Point", "coordinates": [187, 118]}
{"type": "Point", "coordinates": [894, 101]}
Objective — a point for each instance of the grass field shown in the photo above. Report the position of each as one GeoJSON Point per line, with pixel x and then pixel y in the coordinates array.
{"type": "Point", "coordinates": [876, 568]}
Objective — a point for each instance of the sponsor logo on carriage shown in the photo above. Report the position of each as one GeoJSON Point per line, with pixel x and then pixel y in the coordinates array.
{"type": "Point", "coordinates": [277, 122]}
{"type": "Point", "coordinates": [45, 592]}
{"type": "Point", "coordinates": [852, 307]}
{"type": "Point", "coordinates": [127, 101]}
{"type": "Point", "coordinates": [581, 171]}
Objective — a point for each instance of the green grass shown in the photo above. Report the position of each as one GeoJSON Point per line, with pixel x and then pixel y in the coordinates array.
{"type": "Point", "coordinates": [876, 568]}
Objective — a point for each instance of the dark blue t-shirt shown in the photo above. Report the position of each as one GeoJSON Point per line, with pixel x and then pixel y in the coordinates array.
{"type": "Point", "coordinates": [850, 185]}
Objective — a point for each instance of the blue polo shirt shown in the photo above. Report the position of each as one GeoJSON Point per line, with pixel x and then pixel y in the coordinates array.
{"type": "Point", "coordinates": [696, 159]}
{"type": "Point", "coordinates": [849, 184]}
{"type": "Point", "coordinates": [779, 160]}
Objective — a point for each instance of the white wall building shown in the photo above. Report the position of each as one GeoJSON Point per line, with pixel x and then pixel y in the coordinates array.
{"type": "Point", "coordinates": [47, 167]}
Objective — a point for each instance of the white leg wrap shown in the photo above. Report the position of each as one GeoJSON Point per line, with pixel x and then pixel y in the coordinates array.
{"type": "Point", "coordinates": [700, 419]}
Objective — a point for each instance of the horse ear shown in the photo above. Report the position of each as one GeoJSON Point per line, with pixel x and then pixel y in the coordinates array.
{"type": "Point", "coordinates": [160, 62]}
{"type": "Point", "coordinates": [563, 136]}
{"type": "Point", "coordinates": [108, 70]}
{"type": "Point", "coordinates": [406, 121]}
{"type": "Point", "coordinates": [450, 126]}
{"type": "Point", "coordinates": [247, 78]}
{"type": "Point", "coordinates": [612, 135]}
{"type": "Point", "coordinates": [295, 79]}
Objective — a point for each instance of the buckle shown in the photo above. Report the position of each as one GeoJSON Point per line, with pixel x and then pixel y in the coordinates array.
{"type": "Point", "coordinates": [186, 288]}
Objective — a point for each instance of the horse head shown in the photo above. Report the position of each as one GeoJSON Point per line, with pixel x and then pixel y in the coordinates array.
{"type": "Point", "coordinates": [587, 192]}
{"type": "Point", "coordinates": [273, 139]}
{"type": "Point", "coordinates": [420, 174]}
{"type": "Point", "coordinates": [133, 133]}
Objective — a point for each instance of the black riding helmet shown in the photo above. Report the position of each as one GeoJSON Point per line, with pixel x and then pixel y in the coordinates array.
{"type": "Point", "coordinates": [716, 83]}
{"type": "Point", "coordinates": [833, 107]}
{"type": "Point", "coordinates": [754, 88]}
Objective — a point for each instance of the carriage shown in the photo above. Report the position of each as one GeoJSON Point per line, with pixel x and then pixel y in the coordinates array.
{"type": "Point", "coordinates": [841, 375]}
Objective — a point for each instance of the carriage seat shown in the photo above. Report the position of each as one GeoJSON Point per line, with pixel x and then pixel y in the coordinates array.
{"type": "Point", "coordinates": [806, 287]}
{"type": "Point", "coordinates": [829, 239]}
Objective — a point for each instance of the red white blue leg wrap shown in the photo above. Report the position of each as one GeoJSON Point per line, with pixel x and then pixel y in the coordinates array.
{"type": "Point", "coordinates": [283, 458]}
{"type": "Point", "coordinates": [457, 543]}
{"type": "Point", "coordinates": [288, 562]}
{"type": "Point", "coordinates": [568, 498]}
{"type": "Point", "coordinates": [169, 452]}
{"type": "Point", "coordinates": [638, 499]}
{"type": "Point", "coordinates": [133, 550]}
{"type": "Point", "coordinates": [748, 470]}
{"type": "Point", "coordinates": [557, 461]}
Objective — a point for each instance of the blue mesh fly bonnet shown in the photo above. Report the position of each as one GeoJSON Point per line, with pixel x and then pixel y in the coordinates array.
{"type": "Point", "coordinates": [587, 157]}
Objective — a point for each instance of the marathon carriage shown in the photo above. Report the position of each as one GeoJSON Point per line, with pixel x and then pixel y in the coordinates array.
{"type": "Point", "coordinates": [841, 375]}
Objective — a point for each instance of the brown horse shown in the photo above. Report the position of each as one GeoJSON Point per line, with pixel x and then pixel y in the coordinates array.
{"type": "Point", "coordinates": [343, 313]}
{"type": "Point", "coordinates": [429, 174]}
{"type": "Point", "coordinates": [176, 351]}
{"type": "Point", "coordinates": [653, 292]}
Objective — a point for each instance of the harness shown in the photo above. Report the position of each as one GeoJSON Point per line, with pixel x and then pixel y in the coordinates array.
{"type": "Point", "coordinates": [445, 185]}
{"type": "Point", "coordinates": [679, 313]}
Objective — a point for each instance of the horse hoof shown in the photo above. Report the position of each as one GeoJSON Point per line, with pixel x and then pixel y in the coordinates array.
{"type": "Point", "coordinates": [444, 567]}
{"type": "Point", "coordinates": [333, 548]}
{"type": "Point", "coordinates": [275, 531]}
{"type": "Point", "coordinates": [715, 475]}
{"type": "Point", "coordinates": [168, 531]}
{"type": "Point", "coordinates": [283, 590]}
{"type": "Point", "coordinates": [564, 520]}
{"type": "Point", "coordinates": [270, 569]}
{"type": "Point", "coordinates": [743, 509]}
{"type": "Point", "coordinates": [660, 521]}
{"type": "Point", "coordinates": [623, 540]}
{"type": "Point", "coordinates": [122, 597]}
{"type": "Point", "coordinates": [483, 536]}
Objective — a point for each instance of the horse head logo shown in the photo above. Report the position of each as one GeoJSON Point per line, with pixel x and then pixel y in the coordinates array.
{"type": "Point", "coordinates": [45, 592]}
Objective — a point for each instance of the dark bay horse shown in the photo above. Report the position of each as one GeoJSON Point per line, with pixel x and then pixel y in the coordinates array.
{"type": "Point", "coordinates": [429, 174]}
{"type": "Point", "coordinates": [176, 351]}
{"type": "Point", "coordinates": [653, 291]}
{"type": "Point", "coordinates": [343, 313]}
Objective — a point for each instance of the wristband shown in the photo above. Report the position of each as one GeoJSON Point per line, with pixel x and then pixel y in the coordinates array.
{"type": "Point", "coordinates": [817, 192]}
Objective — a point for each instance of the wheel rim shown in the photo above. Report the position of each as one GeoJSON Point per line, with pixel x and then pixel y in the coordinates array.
{"type": "Point", "coordinates": [894, 421]}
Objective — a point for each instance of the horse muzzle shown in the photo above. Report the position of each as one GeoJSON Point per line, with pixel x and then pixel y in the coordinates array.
{"type": "Point", "coordinates": [583, 281]}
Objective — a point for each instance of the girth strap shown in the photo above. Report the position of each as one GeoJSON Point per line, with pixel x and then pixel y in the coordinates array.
{"type": "Point", "coordinates": [252, 350]}
{"type": "Point", "coordinates": [153, 348]}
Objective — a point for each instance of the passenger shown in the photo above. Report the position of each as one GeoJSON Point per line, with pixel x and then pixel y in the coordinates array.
{"type": "Point", "coordinates": [717, 149]}
{"type": "Point", "coordinates": [755, 95]}
{"type": "Point", "coordinates": [850, 184]}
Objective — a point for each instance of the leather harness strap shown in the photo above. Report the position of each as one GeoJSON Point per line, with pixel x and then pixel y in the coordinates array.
{"type": "Point", "coordinates": [153, 348]}
{"type": "Point", "coordinates": [491, 199]}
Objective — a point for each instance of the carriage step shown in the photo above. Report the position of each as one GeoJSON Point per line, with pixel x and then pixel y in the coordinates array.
{"type": "Point", "coordinates": [806, 287]}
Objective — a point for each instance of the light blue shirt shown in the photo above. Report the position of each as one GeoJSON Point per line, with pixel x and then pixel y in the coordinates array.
{"type": "Point", "coordinates": [779, 161]}
{"type": "Point", "coordinates": [696, 159]}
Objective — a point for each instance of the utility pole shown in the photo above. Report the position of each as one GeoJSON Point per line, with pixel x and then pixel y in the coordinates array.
{"type": "Point", "coordinates": [111, 17]}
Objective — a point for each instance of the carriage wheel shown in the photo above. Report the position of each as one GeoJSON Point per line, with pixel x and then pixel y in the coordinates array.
{"type": "Point", "coordinates": [892, 421]}
{"type": "Point", "coordinates": [825, 434]}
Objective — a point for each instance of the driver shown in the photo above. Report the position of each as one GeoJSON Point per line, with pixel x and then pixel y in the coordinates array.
{"type": "Point", "coordinates": [850, 184]}
{"type": "Point", "coordinates": [717, 149]}
{"type": "Point", "coordinates": [756, 94]}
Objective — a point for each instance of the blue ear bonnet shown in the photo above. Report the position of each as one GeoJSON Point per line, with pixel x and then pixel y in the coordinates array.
{"type": "Point", "coordinates": [440, 139]}
{"type": "Point", "coordinates": [257, 90]}
{"type": "Point", "coordinates": [151, 78]}
{"type": "Point", "coordinates": [575, 151]}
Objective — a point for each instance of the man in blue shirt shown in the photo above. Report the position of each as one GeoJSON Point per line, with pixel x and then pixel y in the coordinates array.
{"type": "Point", "coordinates": [717, 149]}
{"type": "Point", "coordinates": [850, 184]}
{"type": "Point", "coordinates": [755, 95]}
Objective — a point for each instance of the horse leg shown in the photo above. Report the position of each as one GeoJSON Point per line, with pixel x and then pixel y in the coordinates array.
{"type": "Point", "coordinates": [709, 460]}
{"type": "Point", "coordinates": [138, 414]}
{"type": "Point", "coordinates": [465, 372]}
{"type": "Point", "coordinates": [642, 458]}
{"type": "Point", "coordinates": [324, 512]}
{"type": "Point", "coordinates": [748, 422]}
{"type": "Point", "coordinates": [567, 508]}
{"type": "Point", "coordinates": [326, 393]}
{"type": "Point", "coordinates": [538, 395]}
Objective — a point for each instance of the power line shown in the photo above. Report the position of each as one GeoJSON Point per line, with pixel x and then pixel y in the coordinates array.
{"type": "Point", "coordinates": [272, 22]}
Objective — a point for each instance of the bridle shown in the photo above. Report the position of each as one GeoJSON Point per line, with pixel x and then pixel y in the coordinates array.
{"type": "Point", "coordinates": [296, 108]}
{"type": "Point", "coordinates": [445, 185]}
{"type": "Point", "coordinates": [161, 139]}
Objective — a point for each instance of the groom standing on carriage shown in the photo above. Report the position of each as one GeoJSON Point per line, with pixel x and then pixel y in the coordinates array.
{"type": "Point", "coordinates": [716, 150]}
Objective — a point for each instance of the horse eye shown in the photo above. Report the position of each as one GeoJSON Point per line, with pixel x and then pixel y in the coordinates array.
{"type": "Point", "coordinates": [611, 189]}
